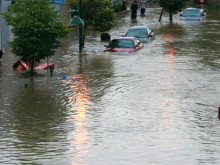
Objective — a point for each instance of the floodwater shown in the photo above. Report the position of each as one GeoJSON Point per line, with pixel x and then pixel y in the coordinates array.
{"type": "Point", "coordinates": [158, 105]}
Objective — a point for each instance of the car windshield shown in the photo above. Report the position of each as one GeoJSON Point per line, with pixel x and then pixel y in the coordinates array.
{"type": "Point", "coordinates": [121, 43]}
{"type": "Point", "coordinates": [139, 33]}
{"type": "Point", "coordinates": [191, 13]}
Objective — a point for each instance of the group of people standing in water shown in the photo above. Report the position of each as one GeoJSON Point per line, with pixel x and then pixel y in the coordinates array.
{"type": "Point", "coordinates": [134, 7]}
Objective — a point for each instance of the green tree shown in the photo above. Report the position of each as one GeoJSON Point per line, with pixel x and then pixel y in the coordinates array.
{"type": "Point", "coordinates": [37, 28]}
{"type": "Point", "coordinates": [103, 20]}
{"type": "Point", "coordinates": [96, 14]}
{"type": "Point", "coordinates": [172, 6]}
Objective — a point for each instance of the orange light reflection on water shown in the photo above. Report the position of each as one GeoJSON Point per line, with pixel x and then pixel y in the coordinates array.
{"type": "Point", "coordinates": [168, 124]}
{"type": "Point", "coordinates": [169, 58]}
{"type": "Point", "coordinates": [169, 107]}
{"type": "Point", "coordinates": [78, 100]}
{"type": "Point", "coordinates": [171, 50]}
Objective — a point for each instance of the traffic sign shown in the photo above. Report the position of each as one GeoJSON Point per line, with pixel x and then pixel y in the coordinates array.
{"type": "Point", "coordinates": [58, 1]}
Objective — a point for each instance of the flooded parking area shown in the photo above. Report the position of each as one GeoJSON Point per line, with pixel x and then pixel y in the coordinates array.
{"type": "Point", "coordinates": [158, 105]}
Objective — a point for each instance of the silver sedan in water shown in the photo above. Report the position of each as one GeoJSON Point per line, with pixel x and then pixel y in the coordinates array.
{"type": "Point", "coordinates": [142, 33]}
{"type": "Point", "coordinates": [193, 14]}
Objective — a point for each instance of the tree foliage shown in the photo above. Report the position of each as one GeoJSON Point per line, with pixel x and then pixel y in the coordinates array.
{"type": "Point", "coordinates": [37, 28]}
{"type": "Point", "coordinates": [172, 6]}
{"type": "Point", "coordinates": [103, 20]}
{"type": "Point", "coordinates": [98, 14]}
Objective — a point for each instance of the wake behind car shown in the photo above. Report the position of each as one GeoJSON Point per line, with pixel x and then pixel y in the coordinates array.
{"type": "Point", "coordinates": [193, 14]}
{"type": "Point", "coordinates": [124, 44]}
{"type": "Point", "coordinates": [143, 33]}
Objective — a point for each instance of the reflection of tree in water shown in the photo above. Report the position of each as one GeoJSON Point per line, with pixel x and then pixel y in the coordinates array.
{"type": "Point", "coordinates": [36, 118]}
{"type": "Point", "coordinates": [209, 44]}
{"type": "Point", "coordinates": [172, 34]}
{"type": "Point", "coordinates": [175, 29]}
{"type": "Point", "coordinates": [194, 39]}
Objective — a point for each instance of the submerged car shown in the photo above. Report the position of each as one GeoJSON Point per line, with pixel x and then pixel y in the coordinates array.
{"type": "Point", "coordinates": [193, 14]}
{"type": "Point", "coordinates": [143, 33]}
{"type": "Point", "coordinates": [124, 44]}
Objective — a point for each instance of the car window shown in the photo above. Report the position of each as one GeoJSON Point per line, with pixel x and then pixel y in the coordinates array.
{"type": "Point", "coordinates": [132, 33]}
{"type": "Point", "coordinates": [121, 44]}
{"type": "Point", "coordinates": [140, 33]}
{"type": "Point", "coordinates": [191, 13]}
{"type": "Point", "coordinates": [113, 44]}
{"type": "Point", "coordinates": [148, 30]}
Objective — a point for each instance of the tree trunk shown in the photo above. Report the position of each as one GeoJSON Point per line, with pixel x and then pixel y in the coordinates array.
{"type": "Point", "coordinates": [171, 17]}
{"type": "Point", "coordinates": [161, 15]}
{"type": "Point", "coordinates": [83, 40]}
{"type": "Point", "coordinates": [84, 36]}
{"type": "Point", "coordinates": [32, 68]}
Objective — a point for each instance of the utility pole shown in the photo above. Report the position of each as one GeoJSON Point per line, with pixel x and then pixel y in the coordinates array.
{"type": "Point", "coordinates": [76, 20]}
{"type": "Point", "coordinates": [80, 26]}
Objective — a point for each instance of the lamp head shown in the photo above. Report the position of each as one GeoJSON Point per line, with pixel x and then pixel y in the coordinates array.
{"type": "Point", "coordinates": [75, 12]}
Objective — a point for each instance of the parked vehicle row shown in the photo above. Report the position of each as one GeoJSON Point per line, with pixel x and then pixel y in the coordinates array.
{"type": "Point", "coordinates": [132, 41]}
{"type": "Point", "coordinates": [137, 35]}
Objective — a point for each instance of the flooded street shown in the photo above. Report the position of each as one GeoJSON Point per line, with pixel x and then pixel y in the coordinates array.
{"type": "Point", "coordinates": [156, 106]}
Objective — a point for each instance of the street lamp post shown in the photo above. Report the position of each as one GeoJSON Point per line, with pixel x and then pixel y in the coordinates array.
{"type": "Point", "coordinates": [76, 20]}
{"type": "Point", "coordinates": [80, 27]}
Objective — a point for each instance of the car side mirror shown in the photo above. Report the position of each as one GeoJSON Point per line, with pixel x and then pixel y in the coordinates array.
{"type": "Point", "coordinates": [136, 46]}
{"type": "Point", "coordinates": [151, 34]}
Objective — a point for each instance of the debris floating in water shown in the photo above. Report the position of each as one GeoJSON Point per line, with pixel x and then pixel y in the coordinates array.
{"type": "Point", "coordinates": [64, 77]}
{"type": "Point", "coordinates": [25, 84]}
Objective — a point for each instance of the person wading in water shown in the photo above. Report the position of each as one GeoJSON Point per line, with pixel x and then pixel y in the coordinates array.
{"type": "Point", "coordinates": [134, 8]}
{"type": "Point", "coordinates": [1, 53]}
{"type": "Point", "coordinates": [142, 6]}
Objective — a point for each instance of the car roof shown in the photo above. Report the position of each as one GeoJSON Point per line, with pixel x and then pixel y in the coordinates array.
{"type": "Point", "coordinates": [139, 27]}
{"type": "Point", "coordinates": [124, 38]}
{"type": "Point", "coordinates": [191, 8]}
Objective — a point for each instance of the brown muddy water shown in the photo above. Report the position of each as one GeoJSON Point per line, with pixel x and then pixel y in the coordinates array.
{"type": "Point", "coordinates": [156, 106]}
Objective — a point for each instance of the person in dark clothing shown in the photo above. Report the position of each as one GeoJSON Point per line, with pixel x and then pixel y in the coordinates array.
{"type": "Point", "coordinates": [124, 5]}
{"type": "Point", "coordinates": [1, 53]}
{"type": "Point", "coordinates": [134, 8]}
